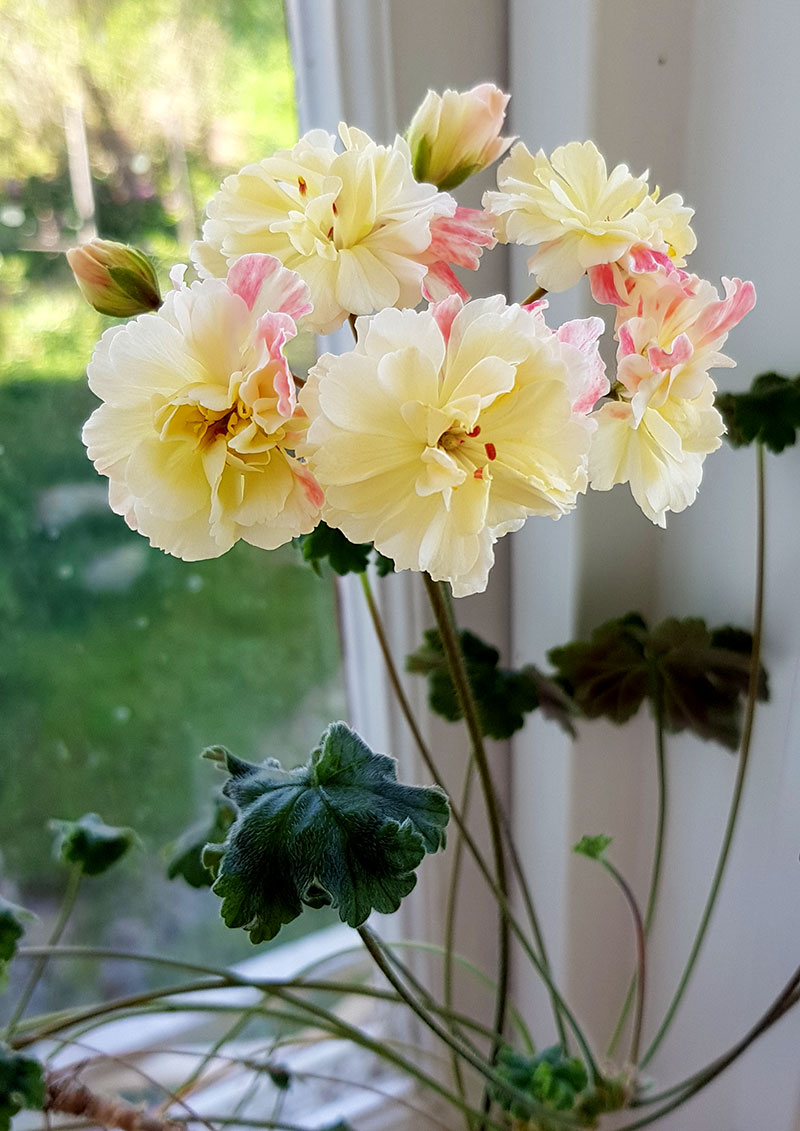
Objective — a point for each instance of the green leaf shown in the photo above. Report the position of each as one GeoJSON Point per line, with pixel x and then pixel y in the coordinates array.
{"type": "Point", "coordinates": [327, 542]}
{"type": "Point", "coordinates": [769, 412]}
{"type": "Point", "coordinates": [593, 846]}
{"type": "Point", "coordinates": [697, 677]}
{"type": "Point", "coordinates": [549, 1078]}
{"type": "Point", "coordinates": [606, 676]}
{"type": "Point", "coordinates": [339, 831]}
{"type": "Point", "coordinates": [704, 677]}
{"type": "Point", "coordinates": [185, 855]}
{"type": "Point", "coordinates": [91, 844]}
{"type": "Point", "coordinates": [21, 1085]}
{"type": "Point", "coordinates": [503, 697]}
{"type": "Point", "coordinates": [12, 928]}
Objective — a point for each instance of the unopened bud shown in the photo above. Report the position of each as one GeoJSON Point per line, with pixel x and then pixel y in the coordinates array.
{"type": "Point", "coordinates": [454, 135]}
{"type": "Point", "coordinates": [114, 278]}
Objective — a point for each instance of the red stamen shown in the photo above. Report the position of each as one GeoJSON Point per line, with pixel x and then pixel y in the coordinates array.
{"type": "Point", "coordinates": [330, 232]}
{"type": "Point", "coordinates": [476, 431]}
{"type": "Point", "coordinates": [334, 209]}
{"type": "Point", "coordinates": [301, 184]}
{"type": "Point", "coordinates": [477, 473]}
{"type": "Point", "coordinates": [491, 451]}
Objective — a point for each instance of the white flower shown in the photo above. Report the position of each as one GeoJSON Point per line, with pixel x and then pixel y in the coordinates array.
{"type": "Point", "coordinates": [579, 214]}
{"type": "Point", "coordinates": [199, 420]}
{"type": "Point", "coordinates": [353, 225]}
{"type": "Point", "coordinates": [445, 429]}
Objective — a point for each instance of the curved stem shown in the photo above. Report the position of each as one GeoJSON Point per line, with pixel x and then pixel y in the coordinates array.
{"type": "Point", "coordinates": [783, 1003]}
{"type": "Point", "coordinates": [655, 873]}
{"type": "Point", "coordinates": [641, 951]}
{"type": "Point", "coordinates": [67, 904]}
{"type": "Point", "coordinates": [458, 673]}
{"type": "Point", "coordinates": [744, 757]}
{"type": "Point", "coordinates": [484, 1068]}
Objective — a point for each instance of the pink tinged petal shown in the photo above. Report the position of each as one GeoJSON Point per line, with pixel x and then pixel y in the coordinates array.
{"type": "Point", "coordinates": [275, 330]}
{"type": "Point", "coordinates": [264, 279]}
{"type": "Point", "coordinates": [176, 275]}
{"type": "Point", "coordinates": [444, 313]}
{"type": "Point", "coordinates": [441, 283]}
{"type": "Point", "coordinates": [719, 317]}
{"type": "Point", "coordinates": [460, 238]}
{"type": "Point", "coordinates": [603, 283]}
{"type": "Point", "coordinates": [583, 334]}
{"type": "Point", "coordinates": [626, 342]}
{"type": "Point", "coordinates": [311, 489]}
{"type": "Point", "coordinates": [644, 259]}
{"type": "Point", "coordinates": [662, 360]}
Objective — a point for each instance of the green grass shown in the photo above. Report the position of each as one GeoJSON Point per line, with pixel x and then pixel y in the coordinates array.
{"type": "Point", "coordinates": [118, 664]}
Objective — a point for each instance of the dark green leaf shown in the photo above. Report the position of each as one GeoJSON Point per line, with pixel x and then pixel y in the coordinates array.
{"type": "Point", "coordinates": [549, 1078]}
{"type": "Point", "coordinates": [327, 542]}
{"type": "Point", "coordinates": [185, 856]}
{"type": "Point", "coordinates": [502, 697]}
{"type": "Point", "coordinates": [698, 678]}
{"type": "Point", "coordinates": [12, 928]}
{"type": "Point", "coordinates": [608, 674]}
{"type": "Point", "coordinates": [383, 565]}
{"type": "Point", "coordinates": [769, 412]}
{"type": "Point", "coordinates": [21, 1085]}
{"type": "Point", "coordinates": [91, 844]}
{"type": "Point", "coordinates": [593, 846]}
{"type": "Point", "coordinates": [340, 830]}
{"type": "Point", "coordinates": [703, 683]}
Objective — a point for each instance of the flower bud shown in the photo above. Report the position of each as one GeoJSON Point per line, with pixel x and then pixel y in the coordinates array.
{"type": "Point", "coordinates": [114, 278]}
{"type": "Point", "coordinates": [454, 135]}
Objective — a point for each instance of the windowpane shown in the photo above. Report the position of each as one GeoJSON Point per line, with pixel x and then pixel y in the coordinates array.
{"type": "Point", "coordinates": [118, 663]}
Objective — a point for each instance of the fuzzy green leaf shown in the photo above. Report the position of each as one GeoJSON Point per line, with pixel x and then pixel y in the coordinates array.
{"type": "Point", "coordinates": [12, 928]}
{"type": "Point", "coordinates": [21, 1085]}
{"type": "Point", "coordinates": [343, 556]}
{"type": "Point", "coordinates": [769, 412]}
{"type": "Point", "coordinates": [91, 844]}
{"type": "Point", "coordinates": [185, 855]}
{"type": "Point", "coordinates": [549, 1078]}
{"type": "Point", "coordinates": [339, 831]}
{"type": "Point", "coordinates": [503, 697]}
{"type": "Point", "coordinates": [593, 846]}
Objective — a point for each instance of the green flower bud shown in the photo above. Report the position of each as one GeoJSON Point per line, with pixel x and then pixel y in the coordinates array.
{"type": "Point", "coordinates": [115, 279]}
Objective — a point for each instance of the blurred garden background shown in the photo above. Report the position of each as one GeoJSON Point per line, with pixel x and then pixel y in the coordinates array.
{"type": "Point", "coordinates": [118, 664]}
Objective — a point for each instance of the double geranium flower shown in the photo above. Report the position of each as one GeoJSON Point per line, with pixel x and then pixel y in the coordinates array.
{"type": "Point", "coordinates": [443, 429]}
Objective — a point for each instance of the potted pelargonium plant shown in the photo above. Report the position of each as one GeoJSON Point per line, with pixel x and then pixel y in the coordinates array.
{"type": "Point", "coordinates": [448, 424]}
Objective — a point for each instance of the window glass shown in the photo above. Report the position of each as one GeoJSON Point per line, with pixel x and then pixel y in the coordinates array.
{"type": "Point", "coordinates": [118, 663]}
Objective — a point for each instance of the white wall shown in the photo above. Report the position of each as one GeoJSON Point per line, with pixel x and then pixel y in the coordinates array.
{"type": "Point", "coordinates": [706, 93]}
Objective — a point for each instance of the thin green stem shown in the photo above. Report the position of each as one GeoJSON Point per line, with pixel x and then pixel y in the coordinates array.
{"type": "Point", "coordinates": [376, 949]}
{"type": "Point", "coordinates": [458, 672]}
{"type": "Point", "coordinates": [450, 924]}
{"type": "Point", "coordinates": [655, 872]}
{"type": "Point", "coordinates": [67, 904]}
{"type": "Point", "coordinates": [744, 758]}
{"type": "Point", "coordinates": [641, 956]}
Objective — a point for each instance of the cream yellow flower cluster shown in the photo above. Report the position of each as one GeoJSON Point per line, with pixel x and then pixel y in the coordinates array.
{"type": "Point", "coordinates": [443, 429]}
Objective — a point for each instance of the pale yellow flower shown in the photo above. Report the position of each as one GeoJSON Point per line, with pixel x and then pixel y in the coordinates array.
{"type": "Point", "coordinates": [353, 225]}
{"type": "Point", "coordinates": [581, 215]}
{"type": "Point", "coordinates": [662, 455]}
{"type": "Point", "coordinates": [199, 420]}
{"type": "Point", "coordinates": [454, 135]}
{"type": "Point", "coordinates": [445, 429]}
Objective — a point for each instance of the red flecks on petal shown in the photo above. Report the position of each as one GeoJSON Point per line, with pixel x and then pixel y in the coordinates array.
{"type": "Point", "coordinates": [444, 314]}
{"type": "Point", "coordinates": [476, 431]}
{"type": "Point", "coordinates": [491, 451]}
